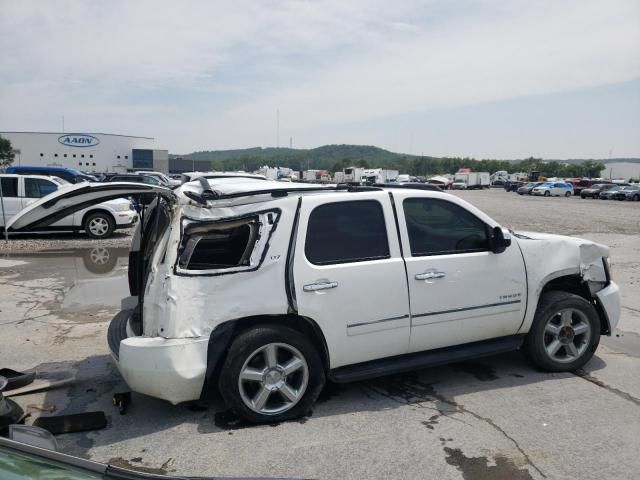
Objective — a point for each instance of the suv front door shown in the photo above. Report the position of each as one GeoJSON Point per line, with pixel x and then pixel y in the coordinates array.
{"type": "Point", "coordinates": [350, 277]}
{"type": "Point", "coordinates": [460, 291]}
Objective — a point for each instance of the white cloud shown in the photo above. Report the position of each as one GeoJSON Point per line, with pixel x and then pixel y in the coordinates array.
{"type": "Point", "coordinates": [207, 74]}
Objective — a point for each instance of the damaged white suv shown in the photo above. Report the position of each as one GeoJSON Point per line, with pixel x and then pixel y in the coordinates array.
{"type": "Point", "coordinates": [263, 291]}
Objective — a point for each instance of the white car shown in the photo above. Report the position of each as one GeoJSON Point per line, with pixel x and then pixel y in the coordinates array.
{"type": "Point", "coordinates": [97, 221]}
{"type": "Point", "coordinates": [459, 185]}
{"type": "Point", "coordinates": [556, 189]}
{"type": "Point", "coordinates": [262, 291]}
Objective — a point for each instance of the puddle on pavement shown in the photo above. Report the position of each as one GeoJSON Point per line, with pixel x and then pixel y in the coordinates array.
{"type": "Point", "coordinates": [92, 278]}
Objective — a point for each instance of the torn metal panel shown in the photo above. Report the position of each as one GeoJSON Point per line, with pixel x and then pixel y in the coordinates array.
{"type": "Point", "coordinates": [550, 256]}
{"type": "Point", "coordinates": [184, 303]}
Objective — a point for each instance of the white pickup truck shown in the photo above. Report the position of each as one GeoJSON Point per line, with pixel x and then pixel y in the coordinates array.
{"type": "Point", "coordinates": [263, 290]}
{"type": "Point", "coordinates": [98, 221]}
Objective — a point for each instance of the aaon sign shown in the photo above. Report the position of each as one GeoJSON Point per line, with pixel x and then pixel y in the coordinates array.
{"type": "Point", "coordinates": [78, 140]}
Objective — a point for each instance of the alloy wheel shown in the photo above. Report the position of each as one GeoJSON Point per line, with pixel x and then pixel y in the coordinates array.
{"type": "Point", "coordinates": [273, 379]}
{"type": "Point", "coordinates": [98, 226]}
{"type": "Point", "coordinates": [567, 335]}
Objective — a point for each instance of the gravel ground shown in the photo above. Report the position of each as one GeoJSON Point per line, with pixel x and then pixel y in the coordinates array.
{"type": "Point", "coordinates": [496, 418]}
{"type": "Point", "coordinates": [54, 241]}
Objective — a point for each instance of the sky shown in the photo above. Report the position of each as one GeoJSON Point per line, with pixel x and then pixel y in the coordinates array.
{"type": "Point", "coordinates": [485, 79]}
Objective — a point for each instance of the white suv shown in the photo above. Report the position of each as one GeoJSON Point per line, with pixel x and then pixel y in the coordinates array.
{"type": "Point", "coordinates": [97, 221]}
{"type": "Point", "coordinates": [263, 290]}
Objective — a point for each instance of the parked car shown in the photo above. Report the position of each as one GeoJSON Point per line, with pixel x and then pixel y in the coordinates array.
{"type": "Point", "coordinates": [69, 174]}
{"type": "Point", "coordinates": [35, 456]}
{"type": "Point", "coordinates": [527, 188]}
{"type": "Point", "coordinates": [557, 189]}
{"type": "Point", "coordinates": [629, 192]}
{"type": "Point", "coordinates": [162, 177]}
{"type": "Point", "coordinates": [272, 292]}
{"type": "Point", "coordinates": [594, 190]}
{"type": "Point", "coordinates": [136, 178]}
{"type": "Point", "coordinates": [98, 221]}
{"type": "Point", "coordinates": [610, 193]}
{"type": "Point", "coordinates": [582, 184]}
{"type": "Point", "coordinates": [513, 186]}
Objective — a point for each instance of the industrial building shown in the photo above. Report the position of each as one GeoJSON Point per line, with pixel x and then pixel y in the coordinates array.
{"type": "Point", "coordinates": [87, 152]}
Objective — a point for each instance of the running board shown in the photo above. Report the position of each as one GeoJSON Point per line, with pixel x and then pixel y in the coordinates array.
{"type": "Point", "coordinates": [430, 358]}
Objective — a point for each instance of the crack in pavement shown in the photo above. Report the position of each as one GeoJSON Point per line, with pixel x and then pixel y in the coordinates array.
{"type": "Point", "coordinates": [616, 391]}
{"type": "Point", "coordinates": [402, 394]}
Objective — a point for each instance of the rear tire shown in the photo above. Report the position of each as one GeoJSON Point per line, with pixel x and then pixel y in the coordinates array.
{"type": "Point", "coordinates": [635, 198]}
{"type": "Point", "coordinates": [568, 194]}
{"type": "Point", "coordinates": [99, 225]}
{"type": "Point", "coordinates": [271, 374]}
{"type": "Point", "coordinates": [565, 332]}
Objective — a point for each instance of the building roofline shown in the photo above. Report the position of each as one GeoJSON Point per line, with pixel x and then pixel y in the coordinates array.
{"type": "Point", "coordinates": [85, 133]}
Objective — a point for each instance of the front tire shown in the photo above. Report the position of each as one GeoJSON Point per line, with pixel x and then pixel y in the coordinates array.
{"type": "Point", "coordinates": [547, 193]}
{"type": "Point", "coordinates": [271, 374]}
{"type": "Point", "coordinates": [99, 225]}
{"type": "Point", "coordinates": [565, 332]}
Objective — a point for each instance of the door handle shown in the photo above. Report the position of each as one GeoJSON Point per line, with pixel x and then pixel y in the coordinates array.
{"type": "Point", "coordinates": [429, 275]}
{"type": "Point", "coordinates": [314, 287]}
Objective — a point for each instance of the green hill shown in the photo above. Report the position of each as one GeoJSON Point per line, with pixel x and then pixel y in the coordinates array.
{"type": "Point", "coordinates": [336, 157]}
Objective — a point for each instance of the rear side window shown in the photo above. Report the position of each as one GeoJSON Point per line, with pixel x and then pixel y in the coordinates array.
{"type": "Point", "coordinates": [38, 187]}
{"type": "Point", "coordinates": [10, 186]}
{"type": "Point", "coordinates": [346, 232]}
{"type": "Point", "coordinates": [225, 246]}
{"type": "Point", "coordinates": [219, 245]}
{"type": "Point", "coordinates": [438, 227]}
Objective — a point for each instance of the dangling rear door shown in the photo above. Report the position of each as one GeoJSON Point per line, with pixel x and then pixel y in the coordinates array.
{"type": "Point", "coordinates": [69, 199]}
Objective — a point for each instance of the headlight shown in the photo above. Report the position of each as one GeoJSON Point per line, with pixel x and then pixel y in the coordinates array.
{"type": "Point", "coordinates": [123, 207]}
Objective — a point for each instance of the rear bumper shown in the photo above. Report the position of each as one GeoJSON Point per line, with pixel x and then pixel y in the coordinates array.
{"type": "Point", "coordinates": [170, 369]}
{"type": "Point", "coordinates": [609, 299]}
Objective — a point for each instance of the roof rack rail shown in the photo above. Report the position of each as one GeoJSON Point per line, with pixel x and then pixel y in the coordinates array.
{"type": "Point", "coordinates": [283, 192]}
{"type": "Point", "coordinates": [412, 186]}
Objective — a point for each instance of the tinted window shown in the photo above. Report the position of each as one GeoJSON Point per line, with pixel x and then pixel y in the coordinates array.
{"type": "Point", "coordinates": [438, 227]}
{"type": "Point", "coordinates": [38, 187]}
{"type": "Point", "coordinates": [346, 232]}
{"type": "Point", "coordinates": [10, 186]}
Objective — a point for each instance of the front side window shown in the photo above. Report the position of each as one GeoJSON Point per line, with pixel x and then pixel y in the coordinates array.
{"type": "Point", "coordinates": [346, 232]}
{"type": "Point", "coordinates": [38, 187]}
{"type": "Point", "coordinates": [438, 227]}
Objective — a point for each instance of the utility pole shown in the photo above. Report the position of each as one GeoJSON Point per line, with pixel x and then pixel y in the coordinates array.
{"type": "Point", "coordinates": [4, 217]}
{"type": "Point", "coordinates": [277, 128]}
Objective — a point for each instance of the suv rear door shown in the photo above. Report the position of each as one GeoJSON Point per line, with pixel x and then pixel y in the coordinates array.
{"type": "Point", "coordinates": [460, 290]}
{"type": "Point", "coordinates": [350, 277]}
{"type": "Point", "coordinates": [69, 199]}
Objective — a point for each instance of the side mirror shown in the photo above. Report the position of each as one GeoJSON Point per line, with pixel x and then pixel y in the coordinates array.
{"type": "Point", "coordinates": [500, 239]}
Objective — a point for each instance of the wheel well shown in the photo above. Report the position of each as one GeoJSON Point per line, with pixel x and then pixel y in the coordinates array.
{"type": "Point", "coordinates": [223, 335]}
{"type": "Point", "coordinates": [98, 210]}
{"type": "Point", "coordinates": [574, 284]}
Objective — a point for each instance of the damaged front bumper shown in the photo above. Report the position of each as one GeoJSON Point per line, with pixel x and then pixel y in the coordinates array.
{"type": "Point", "coordinates": [172, 369]}
{"type": "Point", "coordinates": [609, 299]}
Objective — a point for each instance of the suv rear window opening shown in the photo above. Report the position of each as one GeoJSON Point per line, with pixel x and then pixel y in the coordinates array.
{"type": "Point", "coordinates": [218, 245]}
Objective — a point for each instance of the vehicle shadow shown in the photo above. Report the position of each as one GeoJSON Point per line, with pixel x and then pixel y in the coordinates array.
{"type": "Point", "coordinates": [437, 389]}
